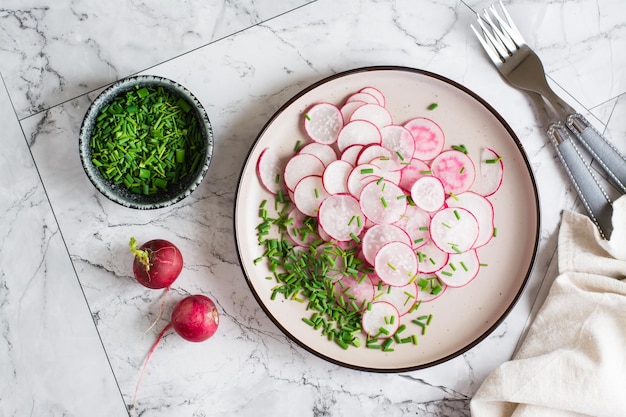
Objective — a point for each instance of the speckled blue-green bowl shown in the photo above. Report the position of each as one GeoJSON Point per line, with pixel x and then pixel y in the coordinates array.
{"type": "Point", "coordinates": [118, 192]}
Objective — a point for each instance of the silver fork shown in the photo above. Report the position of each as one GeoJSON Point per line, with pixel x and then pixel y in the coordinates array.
{"type": "Point", "coordinates": [521, 67]}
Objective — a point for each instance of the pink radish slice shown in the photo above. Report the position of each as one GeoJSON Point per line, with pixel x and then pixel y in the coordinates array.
{"type": "Point", "coordinates": [415, 169]}
{"type": "Point", "coordinates": [491, 173]}
{"type": "Point", "coordinates": [402, 298]}
{"type": "Point", "coordinates": [309, 195]}
{"type": "Point", "coordinates": [270, 169]}
{"type": "Point", "coordinates": [430, 258]}
{"type": "Point", "coordinates": [360, 291]}
{"type": "Point", "coordinates": [348, 108]}
{"type": "Point", "coordinates": [399, 141]}
{"type": "Point", "coordinates": [428, 194]}
{"type": "Point", "coordinates": [380, 315]}
{"type": "Point", "coordinates": [481, 208]}
{"type": "Point", "coordinates": [325, 153]}
{"type": "Point", "coordinates": [461, 269]}
{"type": "Point", "coordinates": [370, 152]}
{"type": "Point", "coordinates": [358, 132]}
{"type": "Point", "coordinates": [380, 97]}
{"type": "Point", "coordinates": [456, 171]}
{"type": "Point", "coordinates": [454, 230]}
{"type": "Point", "coordinates": [429, 288]}
{"type": "Point", "coordinates": [296, 230]}
{"type": "Point", "coordinates": [351, 153]}
{"type": "Point", "coordinates": [360, 176]}
{"type": "Point", "coordinates": [396, 264]}
{"type": "Point", "coordinates": [415, 222]}
{"type": "Point", "coordinates": [300, 166]}
{"type": "Point", "coordinates": [428, 136]}
{"type": "Point", "coordinates": [379, 235]}
{"type": "Point", "coordinates": [338, 216]}
{"type": "Point", "coordinates": [322, 123]}
{"type": "Point", "coordinates": [335, 177]}
{"type": "Point", "coordinates": [362, 97]}
{"type": "Point", "coordinates": [374, 113]}
{"type": "Point", "coordinates": [383, 202]}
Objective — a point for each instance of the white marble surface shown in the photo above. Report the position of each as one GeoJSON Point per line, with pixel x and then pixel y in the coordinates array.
{"type": "Point", "coordinates": [71, 316]}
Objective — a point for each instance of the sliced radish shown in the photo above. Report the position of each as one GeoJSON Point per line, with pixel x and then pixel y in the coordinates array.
{"type": "Point", "coordinates": [415, 222]}
{"type": "Point", "coordinates": [325, 153]}
{"type": "Point", "coordinates": [481, 208]}
{"type": "Point", "coordinates": [402, 298]}
{"type": "Point", "coordinates": [360, 291]}
{"type": "Point", "coordinates": [322, 123]}
{"type": "Point", "coordinates": [428, 194]}
{"type": "Point", "coordinates": [379, 235]}
{"type": "Point", "coordinates": [339, 215]}
{"type": "Point", "coordinates": [383, 202]}
{"type": "Point", "coordinates": [358, 132]}
{"type": "Point", "coordinates": [455, 169]}
{"type": "Point", "coordinates": [412, 171]}
{"type": "Point", "coordinates": [399, 141]}
{"type": "Point", "coordinates": [309, 195]}
{"type": "Point", "coordinates": [348, 108]}
{"type": "Point", "coordinates": [335, 177]}
{"type": "Point", "coordinates": [428, 136]}
{"type": "Point", "coordinates": [491, 172]}
{"type": "Point", "coordinates": [270, 169]}
{"type": "Point", "coordinates": [430, 258]}
{"type": "Point", "coordinates": [370, 152]}
{"type": "Point", "coordinates": [380, 97]}
{"type": "Point", "coordinates": [298, 229]}
{"type": "Point", "coordinates": [300, 166]}
{"type": "Point", "coordinates": [454, 230]}
{"type": "Point", "coordinates": [362, 97]}
{"type": "Point", "coordinates": [389, 169]}
{"type": "Point", "coordinates": [380, 319]}
{"type": "Point", "coordinates": [362, 175]}
{"type": "Point", "coordinates": [396, 264]}
{"type": "Point", "coordinates": [429, 288]}
{"type": "Point", "coordinates": [374, 113]}
{"type": "Point", "coordinates": [351, 154]}
{"type": "Point", "coordinates": [461, 269]}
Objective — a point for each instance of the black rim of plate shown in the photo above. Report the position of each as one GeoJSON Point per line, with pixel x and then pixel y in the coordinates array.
{"type": "Point", "coordinates": [537, 226]}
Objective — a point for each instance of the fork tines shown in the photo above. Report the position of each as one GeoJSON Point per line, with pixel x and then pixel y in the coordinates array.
{"type": "Point", "coordinates": [499, 38]}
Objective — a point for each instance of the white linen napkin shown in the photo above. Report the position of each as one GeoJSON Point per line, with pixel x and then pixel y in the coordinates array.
{"type": "Point", "coordinates": [572, 361]}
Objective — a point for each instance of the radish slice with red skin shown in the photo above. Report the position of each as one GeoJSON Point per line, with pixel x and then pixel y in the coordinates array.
{"type": "Point", "coordinates": [270, 169]}
{"type": "Point", "coordinates": [428, 194]}
{"type": "Point", "coordinates": [491, 173]}
{"type": "Point", "coordinates": [456, 171]}
{"type": "Point", "coordinates": [296, 228]}
{"type": "Point", "coordinates": [415, 222]}
{"type": "Point", "coordinates": [430, 258]}
{"type": "Point", "coordinates": [360, 291]}
{"type": "Point", "coordinates": [322, 123]}
{"type": "Point", "coordinates": [461, 269]}
{"type": "Point", "coordinates": [411, 172]}
{"type": "Point", "coordinates": [396, 264]}
{"type": "Point", "coordinates": [454, 229]}
{"type": "Point", "coordinates": [362, 175]}
{"type": "Point", "coordinates": [335, 177]}
{"type": "Point", "coordinates": [383, 202]}
{"type": "Point", "coordinates": [351, 153]}
{"type": "Point", "coordinates": [370, 152]}
{"type": "Point", "coordinates": [374, 113]}
{"type": "Point", "coordinates": [348, 108]}
{"type": "Point", "coordinates": [429, 288]}
{"type": "Point", "coordinates": [428, 136]}
{"type": "Point", "coordinates": [399, 141]}
{"type": "Point", "coordinates": [481, 208]}
{"type": "Point", "coordinates": [358, 132]}
{"type": "Point", "coordinates": [389, 170]}
{"type": "Point", "coordinates": [379, 235]}
{"type": "Point", "coordinates": [309, 195]}
{"type": "Point", "coordinates": [402, 298]}
{"type": "Point", "coordinates": [380, 315]}
{"type": "Point", "coordinates": [300, 166]}
{"type": "Point", "coordinates": [325, 153]}
{"type": "Point", "coordinates": [338, 216]}
{"type": "Point", "coordinates": [380, 97]}
{"type": "Point", "coordinates": [362, 97]}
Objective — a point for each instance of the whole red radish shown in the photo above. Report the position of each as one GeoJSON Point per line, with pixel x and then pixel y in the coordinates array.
{"type": "Point", "coordinates": [157, 263]}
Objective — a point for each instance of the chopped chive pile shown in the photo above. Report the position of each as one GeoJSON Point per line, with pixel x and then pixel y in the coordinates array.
{"type": "Point", "coordinates": [147, 139]}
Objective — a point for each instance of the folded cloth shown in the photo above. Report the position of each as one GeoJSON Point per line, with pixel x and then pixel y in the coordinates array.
{"type": "Point", "coordinates": [572, 361]}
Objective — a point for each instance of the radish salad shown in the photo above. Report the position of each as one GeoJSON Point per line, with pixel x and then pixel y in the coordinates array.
{"type": "Point", "coordinates": [372, 217]}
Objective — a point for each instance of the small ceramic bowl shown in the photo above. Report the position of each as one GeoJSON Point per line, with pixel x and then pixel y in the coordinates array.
{"type": "Point", "coordinates": [158, 197]}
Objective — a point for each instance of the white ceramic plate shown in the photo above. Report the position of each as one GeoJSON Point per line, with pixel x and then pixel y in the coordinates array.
{"type": "Point", "coordinates": [461, 317]}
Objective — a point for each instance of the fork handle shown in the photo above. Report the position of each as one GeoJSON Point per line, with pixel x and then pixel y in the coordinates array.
{"type": "Point", "coordinates": [594, 198]}
{"type": "Point", "coordinates": [612, 161]}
